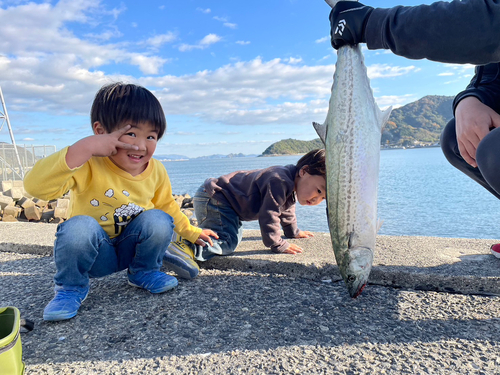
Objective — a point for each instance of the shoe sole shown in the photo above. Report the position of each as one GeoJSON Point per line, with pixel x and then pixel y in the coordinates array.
{"type": "Point", "coordinates": [171, 285]}
{"type": "Point", "coordinates": [65, 316]}
{"type": "Point", "coordinates": [496, 254]}
{"type": "Point", "coordinates": [58, 317]}
{"type": "Point", "coordinates": [179, 263]}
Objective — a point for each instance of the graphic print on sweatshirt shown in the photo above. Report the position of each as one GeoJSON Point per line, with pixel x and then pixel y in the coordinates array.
{"type": "Point", "coordinates": [121, 215]}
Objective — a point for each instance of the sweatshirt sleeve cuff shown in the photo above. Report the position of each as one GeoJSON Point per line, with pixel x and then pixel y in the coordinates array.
{"type": "Point", "coordinates": [192, 235]}
{"type": "Point", "coordinates": [464, 94]}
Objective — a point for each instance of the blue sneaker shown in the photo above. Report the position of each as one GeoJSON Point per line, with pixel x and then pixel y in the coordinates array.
{"type": "Point", "coordinates": [179, 257]}
{"type": "Point", "coordinates": [65, 303]}
{"type": "Point", "coordinates": [152, 281]}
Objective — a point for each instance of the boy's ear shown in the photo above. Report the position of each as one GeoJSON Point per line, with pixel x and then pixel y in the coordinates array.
{"type": "Point", "coordinates": [98, 128]}
{"type": "Point", "coordinates": [303, 171]}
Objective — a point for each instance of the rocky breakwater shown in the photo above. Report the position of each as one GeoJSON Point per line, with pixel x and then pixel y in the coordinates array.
{"type": "Point", "coordinates": [17, 205]}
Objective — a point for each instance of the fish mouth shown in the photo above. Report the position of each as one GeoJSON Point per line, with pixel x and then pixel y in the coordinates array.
{"type": "Point", "coordinates": [356, 284]}
{"type": "Point", "coordinates": [358, 271]}
{"type": "Point", "coordinates": [359, 291]}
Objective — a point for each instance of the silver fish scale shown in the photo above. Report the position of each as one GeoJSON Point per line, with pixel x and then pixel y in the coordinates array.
{"type": "Point", "coordinates": [351, 133]}
{"type": "Point", "coordinates": [355, 128]}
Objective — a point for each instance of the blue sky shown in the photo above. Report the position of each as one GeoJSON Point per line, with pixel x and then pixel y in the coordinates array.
{"type": "Point", "coordinates": [232, 76]}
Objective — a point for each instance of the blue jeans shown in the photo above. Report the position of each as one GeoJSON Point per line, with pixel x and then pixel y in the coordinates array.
{"type": "Point", "coordinates": [222, 219]}
{"type": "Point", "coordinates": [83, 249]}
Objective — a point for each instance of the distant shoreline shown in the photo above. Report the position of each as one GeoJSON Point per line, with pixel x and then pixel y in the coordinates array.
{"type": "Point", "coordinates": [382, 148]}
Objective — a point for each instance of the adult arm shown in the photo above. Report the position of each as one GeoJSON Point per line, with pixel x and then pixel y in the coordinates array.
{"type": "Point", "coordinates": [465, 31]}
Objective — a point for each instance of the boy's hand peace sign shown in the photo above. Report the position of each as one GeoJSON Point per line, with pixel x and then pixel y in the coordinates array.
{"type": "Point", "coordinates": [100, 144]}
{"type": "Point", "coordinates": [107, 144]}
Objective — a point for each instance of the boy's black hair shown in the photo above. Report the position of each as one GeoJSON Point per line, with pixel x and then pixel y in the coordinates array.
{"type": "Point", "coordinates": [314, 161]}
{"type": "Point", "coordinates": [119, 102]}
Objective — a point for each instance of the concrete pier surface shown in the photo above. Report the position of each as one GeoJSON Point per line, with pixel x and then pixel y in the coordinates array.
{"type": "Point", "coordinates": [432, 306]}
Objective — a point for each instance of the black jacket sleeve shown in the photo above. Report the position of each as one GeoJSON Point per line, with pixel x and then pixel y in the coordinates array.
{"type": "Point", "coordinates": [466, 31]}
{"type": "Point", "coordinates": [485, 85]}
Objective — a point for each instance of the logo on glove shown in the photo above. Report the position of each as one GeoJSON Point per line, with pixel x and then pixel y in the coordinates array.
{"type": "Point", "coordinates": [340, 27]}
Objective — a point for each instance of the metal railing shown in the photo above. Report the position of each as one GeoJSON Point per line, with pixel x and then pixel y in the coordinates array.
{"type": "Point", "coordinates": [28, 156]}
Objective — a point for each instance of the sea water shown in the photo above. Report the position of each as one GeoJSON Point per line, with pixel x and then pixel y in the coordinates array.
{"type": "Point", "coordinates": [420, 194]}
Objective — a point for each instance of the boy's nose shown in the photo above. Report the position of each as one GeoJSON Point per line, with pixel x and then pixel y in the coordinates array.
{"type": "Point", "coordinates": [141, 144]}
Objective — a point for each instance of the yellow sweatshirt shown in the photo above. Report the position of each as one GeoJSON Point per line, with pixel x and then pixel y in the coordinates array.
{"type": "Point", "coordinates": [107, 193]}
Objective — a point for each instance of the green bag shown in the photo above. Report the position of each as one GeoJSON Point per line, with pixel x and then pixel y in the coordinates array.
{"type": "Point", "coordinates": [11, 351]}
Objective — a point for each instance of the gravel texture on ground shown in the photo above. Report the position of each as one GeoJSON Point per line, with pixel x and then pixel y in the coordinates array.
{"type": "Point", "coordinates": [236, 322]}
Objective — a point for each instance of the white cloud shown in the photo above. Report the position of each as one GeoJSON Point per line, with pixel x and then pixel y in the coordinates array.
{"type": "Point", "coordinates": [159, 40]}
{"type": "Point", "coordinates": [105, 35]}
{"type": "Point", "coordinates": [242, 42]}
{"type": "Point", "coordinates": [225, 22]}
{"type": "Point", "coordinates": [384, 70]}
{"type": "Point", "coordinates": [37, 32]}
{"type": "Point", "coordinates": [322, 40]}
{"type": "Point", "coordinates": [147, 64]}
{"type": "Point", "coordinates": [395, 101]}
{"type": "Point", "coordinates": [246, 93]}
{"type": "Point", "coordinates": [210, 39]}
{"type": "Point", "coordinates": [206, 42]}
{"type": "Point", "coordinates": [293, 60]}
{"type": "Point", "coordinates": [206, 11]}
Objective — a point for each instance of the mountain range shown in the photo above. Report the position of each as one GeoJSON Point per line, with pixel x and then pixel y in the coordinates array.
{"type": "Point", "coordinates": [417, 124]}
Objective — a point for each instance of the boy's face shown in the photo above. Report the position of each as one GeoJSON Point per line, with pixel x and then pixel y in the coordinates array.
{"type": "Point", "coordinates": [144, 136]}
{"type": "Point", "coordinates": [310, 189]}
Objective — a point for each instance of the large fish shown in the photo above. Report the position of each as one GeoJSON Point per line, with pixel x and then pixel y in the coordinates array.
{"type": "Point", "coordinates": [351, 134]}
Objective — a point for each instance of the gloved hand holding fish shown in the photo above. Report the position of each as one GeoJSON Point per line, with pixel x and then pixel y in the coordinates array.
{"type": "Point", "coordinates": [351, 134]}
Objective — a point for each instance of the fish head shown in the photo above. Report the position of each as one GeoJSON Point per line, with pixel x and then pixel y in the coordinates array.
{"type": "Point", "coordinates": [358, 269]}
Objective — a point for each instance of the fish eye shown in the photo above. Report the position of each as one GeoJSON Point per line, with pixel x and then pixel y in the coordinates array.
{"type": "Point", "coordinates": [351, 278]}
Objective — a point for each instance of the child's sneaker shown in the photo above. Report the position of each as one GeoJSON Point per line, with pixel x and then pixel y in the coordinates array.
{"type": "Point", "coordinates": [495, 250]}
{"type": "Point", "coordinates": [152, 281]}
{"type": "Point", "coordinates": [180, 258]}
{"type": "Point", "coordinates": [65, 303]}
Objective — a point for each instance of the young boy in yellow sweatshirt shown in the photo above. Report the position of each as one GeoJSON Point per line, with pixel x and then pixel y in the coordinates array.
{"type": "Point", "coordinates": [122, 209]}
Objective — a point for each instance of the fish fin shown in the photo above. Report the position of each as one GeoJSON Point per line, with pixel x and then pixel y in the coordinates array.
{"type": "Point", "coordinates": [349, 240]}
{"type": "Point", "coordinates": [379, 224]}
{"type": "Point", "coordinates": [321, 130]}
{"type": "Point", "coordinates": [384, 117]}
